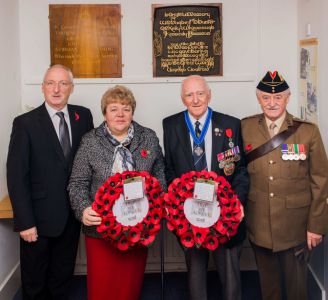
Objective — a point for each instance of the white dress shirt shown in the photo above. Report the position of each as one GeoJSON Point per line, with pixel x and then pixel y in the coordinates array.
{"type": "Point", "coordinates": [56, 119]}
{"type": "Point", "coordinates": [207, 140]}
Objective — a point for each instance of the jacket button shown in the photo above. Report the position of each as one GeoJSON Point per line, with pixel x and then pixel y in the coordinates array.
{"type": "Point", "coordinates": [271, 195]}
{"type": "Point", "coordinates": [271, 178]}
{"type": "Point", "coordinates": [327, 200]}
{"type": "Point", "coordinates": [271, 162]}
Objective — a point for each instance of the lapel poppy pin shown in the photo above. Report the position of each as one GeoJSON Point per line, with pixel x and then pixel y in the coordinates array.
{"type": "Point", "coordinates": [77, 117]}
{"type": "Point", "coordinates": [248, 147]}
{"type": "Point", "coordinates": [229, 133]}
{"type": "Point", "coordinates": [144, 153]}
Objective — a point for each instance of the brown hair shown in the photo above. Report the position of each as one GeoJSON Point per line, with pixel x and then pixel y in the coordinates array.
{"type": "Point", "coordinates": [120, 94]}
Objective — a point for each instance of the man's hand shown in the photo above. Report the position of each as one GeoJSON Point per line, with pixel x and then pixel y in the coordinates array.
{"type": "Point", "coordinates": [242, 212]}
{"type": "Point", "coordinates": [313, 239]}
{"type": "Point", "coordinates": [29, 235]}
{"type": "Point", "coordinates": [90, 217]}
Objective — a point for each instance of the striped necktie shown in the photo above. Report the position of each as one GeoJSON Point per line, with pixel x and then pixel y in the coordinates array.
{"type": "Point", "coordinates": [198, 152]}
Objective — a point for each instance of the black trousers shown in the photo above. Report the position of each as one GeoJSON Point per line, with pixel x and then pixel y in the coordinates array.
{"type": "Point", "coordinates": [281, 273]}
{"type": "Point", "coordinates": [227, 265]}
{"type": "Point", "coordinates": [47, 265]}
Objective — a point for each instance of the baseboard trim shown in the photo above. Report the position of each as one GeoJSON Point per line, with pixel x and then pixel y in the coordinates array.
{"type": "Point", "coordinates": [11, 284]}
{"type": "Point", "coordinates": [318, 283]}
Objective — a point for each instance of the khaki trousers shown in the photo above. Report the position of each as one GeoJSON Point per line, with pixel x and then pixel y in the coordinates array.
{"type": "Point", "coordinates": [281, 273]}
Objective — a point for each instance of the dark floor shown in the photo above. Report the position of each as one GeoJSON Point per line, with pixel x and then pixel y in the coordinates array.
{"type": "Point", "coordinates": [175, 287]}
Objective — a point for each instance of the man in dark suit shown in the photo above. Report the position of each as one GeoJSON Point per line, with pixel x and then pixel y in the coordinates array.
{"type": "Point", "coordinates": [41, 151]}
{"type": "Point", "coordinates": [182, 155]}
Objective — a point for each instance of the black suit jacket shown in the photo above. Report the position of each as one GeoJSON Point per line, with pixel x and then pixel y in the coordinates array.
{"type": "Point", "coordinates": [37, 171]}
{"type": "Point", "coordinates": [179, 159]}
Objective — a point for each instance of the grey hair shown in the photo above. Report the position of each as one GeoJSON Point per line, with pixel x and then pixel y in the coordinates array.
{"type": "Point", "coordinates": [59, 66]}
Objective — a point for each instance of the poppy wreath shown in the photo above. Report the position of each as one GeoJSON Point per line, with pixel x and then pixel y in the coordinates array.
{"type": "Point", "coordinates": [144, 232]}
{"type": "Point", "coordinates": [193, 236]}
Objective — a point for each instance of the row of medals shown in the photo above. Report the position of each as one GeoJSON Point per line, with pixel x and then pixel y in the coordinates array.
{"type": "Point", "coordinates": [293, 152]}
{"type": "Point", "coordinates": [230, 156]}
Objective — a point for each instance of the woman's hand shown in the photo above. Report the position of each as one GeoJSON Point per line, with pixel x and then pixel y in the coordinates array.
{"type": "Point", "coordinates": [90, 217]}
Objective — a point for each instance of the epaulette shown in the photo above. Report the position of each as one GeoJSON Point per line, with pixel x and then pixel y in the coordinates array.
{"type": "Point", "coordinates": [253, 116]}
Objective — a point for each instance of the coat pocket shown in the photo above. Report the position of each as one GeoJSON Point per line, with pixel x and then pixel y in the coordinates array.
{"type": "Point", "coordinates": [301, 199]}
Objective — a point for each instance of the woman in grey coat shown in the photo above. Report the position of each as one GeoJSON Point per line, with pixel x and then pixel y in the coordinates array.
{"type": "Point", "coordinates": [118, 144]}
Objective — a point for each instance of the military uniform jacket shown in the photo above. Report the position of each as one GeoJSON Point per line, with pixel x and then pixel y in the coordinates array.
{"type": "Point", "coordinates": [287, 198]}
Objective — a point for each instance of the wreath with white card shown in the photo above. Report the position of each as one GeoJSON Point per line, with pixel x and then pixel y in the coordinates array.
{"type": "Point", "coordinates": [202, 209]}
{"type": "Point", "coordinates": [131, 207]}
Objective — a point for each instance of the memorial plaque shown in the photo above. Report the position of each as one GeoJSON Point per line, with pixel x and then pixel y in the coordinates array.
{"type": "Point", "coordinates": [187, 39]}
{"type": "Point", "coordinates": [87, 39]}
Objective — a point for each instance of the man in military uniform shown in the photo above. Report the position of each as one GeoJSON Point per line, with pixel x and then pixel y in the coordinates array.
{"type": "Point", "coordinates": [288, 199]}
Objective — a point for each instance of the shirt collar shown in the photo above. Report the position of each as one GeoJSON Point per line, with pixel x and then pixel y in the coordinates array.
{"type": "Point", "coordinates": [52, 112]}
{"type": "Point", "coordinates": [278, 122]}
{"type": "Point", "coordinates": [200, 120]}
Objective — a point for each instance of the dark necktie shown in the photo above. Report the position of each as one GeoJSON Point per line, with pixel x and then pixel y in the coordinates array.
{"type": "Point", "coordinates": [198, 152]}
{"type": "Point", "coordinates": [64, 135]}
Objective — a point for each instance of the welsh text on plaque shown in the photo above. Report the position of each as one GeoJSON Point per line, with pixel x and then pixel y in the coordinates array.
{"type": "Point", "coordinates": [87, 38]}
{"type": "Point", "coordinates": [187, 39]}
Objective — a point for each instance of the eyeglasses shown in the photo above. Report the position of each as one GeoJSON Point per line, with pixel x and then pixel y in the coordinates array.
{"type": "Point", "coordinates": [63, 84]}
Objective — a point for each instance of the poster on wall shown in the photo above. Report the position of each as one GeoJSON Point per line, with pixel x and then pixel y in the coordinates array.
{"type": "Point", "coordinates": [87, 39]}
{"type": "Point", "coordinates": [187, 39]}
{"type": "Point", "coordinates": [308, 79]}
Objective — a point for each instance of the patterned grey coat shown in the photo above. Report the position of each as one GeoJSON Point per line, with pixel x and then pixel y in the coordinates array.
{"type": "Point", "coordinates": [94, 160]}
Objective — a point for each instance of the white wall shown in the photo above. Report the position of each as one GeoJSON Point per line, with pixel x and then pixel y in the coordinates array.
{"type": "Point", "coordinates": [314, 12]}
{"type": "Point", "coordinates": [10, 105]}
{"type": "Point", "coordinates": [249, 50]}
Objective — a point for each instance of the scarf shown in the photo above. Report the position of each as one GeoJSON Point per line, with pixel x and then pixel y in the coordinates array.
{"type": "Point", "coordinates": [123, 160]}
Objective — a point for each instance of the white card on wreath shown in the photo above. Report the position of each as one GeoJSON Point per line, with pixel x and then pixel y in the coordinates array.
{"type": "Point", "coordinates": [204, 190]}
{"type": "Point", "coordinates": [133, 188]}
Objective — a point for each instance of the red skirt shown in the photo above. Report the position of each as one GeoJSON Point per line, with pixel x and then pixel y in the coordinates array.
{"type": "Point", "coordinates": [114, 274]}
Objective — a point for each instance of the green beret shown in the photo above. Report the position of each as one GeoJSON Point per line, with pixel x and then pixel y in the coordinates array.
{"type": "Point", "coordinates": [272, 83]}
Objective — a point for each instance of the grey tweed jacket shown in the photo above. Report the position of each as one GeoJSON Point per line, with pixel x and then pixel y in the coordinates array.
{"type": "Point", "coordinates": [94, 160]}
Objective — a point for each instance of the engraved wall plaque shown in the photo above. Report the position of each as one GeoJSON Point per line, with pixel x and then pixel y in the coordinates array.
{"type": "Point", "coordinates": [187, 39]}
{"type": "Point", "coordinates": [87, 38]}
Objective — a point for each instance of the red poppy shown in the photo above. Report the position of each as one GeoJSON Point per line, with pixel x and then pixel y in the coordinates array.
{"type": "Point", "coordinates": [170, 226]}
{"type": "Point", "coordinates": [248, 147]}
{"type": "Point", "coordinates": [199, 234]}
{"type": "Point", "coordinates": [187, 240]}
{"type": "Point", "coordinates": [182, 227]}
{"type": "Point", "coordinates": [147, 238]}
{"type": "Point", "coordinates": [154, 228]}
{"type": "Point", "coordinates": [221, 227]}
{"type": "Point", "coordinates": [229, 133]}
{"type": "Point", "coordinates": [114, 232]}
{"type": "Point", "coordinates": [123, 243]}
{"type": "Point", "coordinates": [211, 242]}
{"type": "Point", "coordinates": [134, 235]}
{"type": "Point", "coordinates": [77, 117]}
{"type": "Point", "coordinates": [144, 153]}
{"type": "Point", "coordinates": [102, 228]}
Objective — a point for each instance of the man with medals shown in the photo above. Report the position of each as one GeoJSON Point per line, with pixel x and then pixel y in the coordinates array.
{"type": "Point", "coordinates": [287, 210]}
{"type": "Point", "coordinates": [197, 139]}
